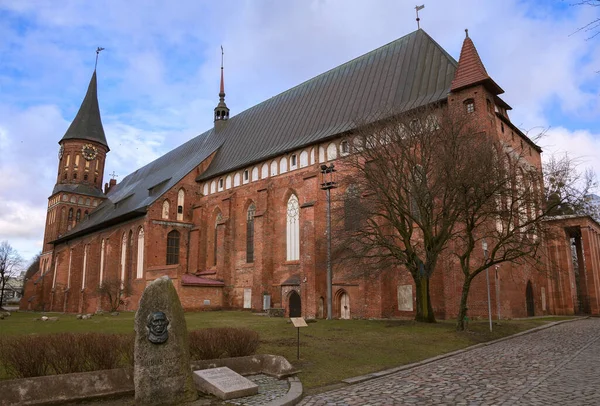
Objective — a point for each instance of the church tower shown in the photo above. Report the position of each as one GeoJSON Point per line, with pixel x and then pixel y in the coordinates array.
{"type": "Point", "coordinates": [81, 159]}
{"type": "Point", "coordinates": [221, 111]}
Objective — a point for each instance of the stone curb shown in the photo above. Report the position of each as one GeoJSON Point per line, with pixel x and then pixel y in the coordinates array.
{"type": "Point", "coordinates": [292, 397]}
{"type": "Point", "coordinates": [363, 378]}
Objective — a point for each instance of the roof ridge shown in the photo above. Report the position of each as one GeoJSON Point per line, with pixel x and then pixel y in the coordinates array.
{"type": "Point", "coordinates": [339, 67]}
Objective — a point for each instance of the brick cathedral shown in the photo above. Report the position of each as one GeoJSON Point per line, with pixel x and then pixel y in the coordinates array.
{"type": "Point", "coordinates": [235, 216]}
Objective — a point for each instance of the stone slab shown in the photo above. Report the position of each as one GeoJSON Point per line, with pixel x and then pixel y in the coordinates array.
{"type": "Point", "coordinates": [224, 383]}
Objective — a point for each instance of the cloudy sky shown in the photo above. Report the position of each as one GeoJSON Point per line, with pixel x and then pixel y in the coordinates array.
{"type": "Point", "coordinates": [158, 77]}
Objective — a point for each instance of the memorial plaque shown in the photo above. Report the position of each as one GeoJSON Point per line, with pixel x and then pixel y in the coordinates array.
{"type": "Point", "coordinates": [224, 383]}
{"type": "Point", "coordinates": [162, 374]}
{"type": "Point", "coordinates": [405, 298]}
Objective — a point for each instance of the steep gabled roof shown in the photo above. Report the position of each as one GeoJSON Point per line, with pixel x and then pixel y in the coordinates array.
{"type": "Point", "coordinates": [87, 124]}
{"type": "Point", "coordinates": [471, 70]}
{"type": "Point", "coordinates": [132, 196]}
{"type": "Point", "coordinates": [409, 72]}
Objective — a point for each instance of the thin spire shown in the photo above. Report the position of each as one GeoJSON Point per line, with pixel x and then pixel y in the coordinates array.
{"type": "Point", "coordinates": [421, 7]}
{"type": "Point", "coordinates": [221, 111]}
{"type": "Point", "coordinates": [222, 90]}
{"type": "Point", "coordinates": [98, 50]}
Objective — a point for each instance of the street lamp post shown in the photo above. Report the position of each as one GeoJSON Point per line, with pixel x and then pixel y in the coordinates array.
{"type": "Point", "coordinates": [328, 183]}
{"type": "Point", "coordinates": [487, 277]}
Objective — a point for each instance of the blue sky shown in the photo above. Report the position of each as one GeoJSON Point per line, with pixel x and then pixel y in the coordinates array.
{"type": "Point", "coordinates": [158, 77]}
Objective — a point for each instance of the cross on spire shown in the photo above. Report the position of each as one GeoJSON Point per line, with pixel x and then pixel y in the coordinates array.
{"type": "Point", "coordinates": [113, 175]}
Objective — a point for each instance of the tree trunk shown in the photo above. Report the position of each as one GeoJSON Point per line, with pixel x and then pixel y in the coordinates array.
{"type": "Point", "coordinates": [2, 293]}
{"type": "Point", "coordinates": [462, 309]}
{"type": "Point", "coordinates": [424, 308]}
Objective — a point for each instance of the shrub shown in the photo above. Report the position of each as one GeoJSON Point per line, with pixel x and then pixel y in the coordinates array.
{"type": "Point", "coordinates": [24, 357]}
{"type": "Point", "coordinates": [65, 353]}
{"type": "Point", "coordinates": [223, 342]}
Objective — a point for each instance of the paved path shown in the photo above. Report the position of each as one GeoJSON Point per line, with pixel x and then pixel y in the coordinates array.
{"type": "Point", "coordinates": [555, 366]}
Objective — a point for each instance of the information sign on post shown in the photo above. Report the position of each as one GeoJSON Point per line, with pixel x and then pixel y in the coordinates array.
{"type": "Point", "coordinates": [298, 322]}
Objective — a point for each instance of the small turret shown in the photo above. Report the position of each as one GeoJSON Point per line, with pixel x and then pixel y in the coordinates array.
{"type": "Point", "coordinates": [221, 111]}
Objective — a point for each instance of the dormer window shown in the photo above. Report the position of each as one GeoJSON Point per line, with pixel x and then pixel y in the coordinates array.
{"type": "Point", "coordinates": [470, 105]}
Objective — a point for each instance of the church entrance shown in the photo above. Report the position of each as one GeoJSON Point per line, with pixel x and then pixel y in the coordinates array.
{"type": "Point", "coordinates": [345, 306]}
{"type": "Point", "coordinates": [295, 304]}
{"type": "Point", "coordinates": [529, 300]}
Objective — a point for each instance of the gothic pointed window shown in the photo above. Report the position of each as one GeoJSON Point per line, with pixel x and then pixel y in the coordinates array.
{"type": "Point", "coordinates": [180, 198]}
{"type": "Point", "coordinates": [250, 233]}
{"type": "Point", "coordinates": [123, 256]}
{"type": "Point", "coordinates": [78, 216]}
{"type": "Point", "coordinates": [293, 229]}
{"type": "Point", "coordinates": [216, 238]}
{"type": "Point", "coordinates": [165, 210]}
{"type": "Point", "coordinates": [140, 254]}
{"type": "Point", "coordinates": [173, 247]}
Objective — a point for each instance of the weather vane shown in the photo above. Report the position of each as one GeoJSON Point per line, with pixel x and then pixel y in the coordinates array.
{"type": "Point", "coordinates": [98, 50]}
{"type": "Point", "coordinates": [421, 7]}
{"type": "Point", "coordinates": [222, 53]}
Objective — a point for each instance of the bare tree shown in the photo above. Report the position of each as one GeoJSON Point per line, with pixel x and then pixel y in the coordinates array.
{"type": "Point", "coordinates": [592, 28]}
{"type": "Point", "coordinates": [10, 265]}
{"type": "Point", "coordinates": [114, 290]}
{"type": "Point", "coordinates": [405, 170]}
{"type": "Point", "coordinates": [429, 183]}
{"type": "Point", "coordinates": [506, 201]}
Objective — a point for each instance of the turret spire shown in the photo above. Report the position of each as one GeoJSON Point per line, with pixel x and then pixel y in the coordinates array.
{"type": "Point", "coordinates": [470, 70]}
{"type": "Point", "coordinates": [221, 111]}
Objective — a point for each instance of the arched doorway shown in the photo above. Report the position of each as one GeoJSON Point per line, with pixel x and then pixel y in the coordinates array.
{"type": "Point", "coordinates": [529, 300]}
{"type": "Point", "coordinates": [343, 305]}
{"type": "Point", "coordinates": [295, 304]}
{"type": "Point", "coordinates": [321, 308]}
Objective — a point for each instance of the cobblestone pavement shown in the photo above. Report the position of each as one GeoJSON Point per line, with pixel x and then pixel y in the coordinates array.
{"type": "Point", "coordinates": [559, 365]}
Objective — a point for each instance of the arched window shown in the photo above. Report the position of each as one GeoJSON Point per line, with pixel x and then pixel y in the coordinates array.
{"type": "Point", "coordinates": [123, 257]}
{"type": "Point", "coordinates": [293, 229]}
{"type": "Point", "coordinates": [273, 168]}
{"type": "Point", "coordinates": [344, 148]}
{"type": "Point", "coordinates": [221, 185]}
{"type": "Point", "coordinates": [321, 155]}
{"type": "Point", "coordinates": [213, 186]}
{"type": "Point", "coordinates": [165, 210]}
{"type": "Point", "coordinates": [102, 261]}
{"type": "Point", "coordinates": [254, 174]}
{"type": "Point", "coordinates": [236, 179]}
{"type": "Point", "coordinates": [228, 182]}
{"type": "Point", "coordinates": [173, 247]}
{"type": "Point", "coordinates": [283, 165]}
{"type": "Point", "coordinates": [216, 238]}
{"type": "Point", "coordinates": [264, 171]}
{"type": "Point", "coordinates": [78, 216]}
{"type": "Point", "coordinates": [85, 254]}
{"type": "Point", "coordinates": [70, 215]}
{"type": "Point", "coordinates": [331, 152]}
{"type": "Point", "coordinates": [86, 215]}
{"type": "Point", "coordinates": [205, 189]}
{"type": "Point", "coordinates": [140, 254]}
{"type": "Point", "coordinates": [180, 200]}
{"type": "Point", "coordinates": [312, 156]}
{"type": "Point", "coordinates": [293, 162]}
{"type": "Point", "coordinates": [303, 159]}
{"type": "Point", "coordinates": [250, 233]}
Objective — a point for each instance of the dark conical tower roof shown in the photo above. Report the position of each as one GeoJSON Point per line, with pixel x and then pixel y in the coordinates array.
{"type": "Point", "coordinates": [87, 124]}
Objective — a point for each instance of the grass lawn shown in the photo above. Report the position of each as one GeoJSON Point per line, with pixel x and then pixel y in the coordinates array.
{"type": "Point", "coordinates": [330, 350]}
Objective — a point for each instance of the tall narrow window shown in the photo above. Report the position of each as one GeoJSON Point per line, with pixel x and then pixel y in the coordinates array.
{"type": "Point", "coordinates": [293, 229]}
{"type": "Point", "coordinates": [78, 216]}
{"type": "Point", "coordinates": [351, 208]}
{"type": "Point", "coordinates": [180, 198]}
{"type": "Point", "coordinates": [216, 238]}
{"type": "Point", "coordinates": [173, 247]}
{"type": "Point", "coordinates": [123, 257]}
{"type": "Point", "coordinates": [140, 254]}
{"type": "Point", "coordinates": [101, 262]}
{"type": "Point", "coordinates": [85, 255]}
{"type": "Point", "coordinates": [250, 233]}
{"type": "Point", "coordinates": [165, 210]}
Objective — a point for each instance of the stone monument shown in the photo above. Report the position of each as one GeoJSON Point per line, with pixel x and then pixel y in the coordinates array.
{"type": "Point", "coordinates": [162, 373]}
